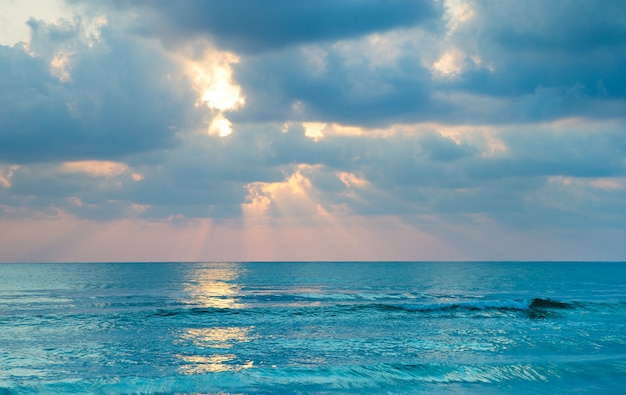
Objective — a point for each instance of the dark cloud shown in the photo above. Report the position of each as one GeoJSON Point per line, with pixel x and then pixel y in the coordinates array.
{"type": "Point", "coordinates": [556, 44]}
{"type": "Point", "coordinates": [545, 60]}
{"type": "Point", "coordinates": [281, 86]}
{"type": "Point", "coordinates": [259, 26]}
{"type": "Point", "coordinates": [106, 101]}
{"type": "Point", "coordinates": [576, 26]}
{"type": "Point", "coordinates": [539, 61]}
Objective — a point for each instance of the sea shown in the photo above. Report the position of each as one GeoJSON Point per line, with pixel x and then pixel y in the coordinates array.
{"type": "Point", "coordinates": [313, 328]}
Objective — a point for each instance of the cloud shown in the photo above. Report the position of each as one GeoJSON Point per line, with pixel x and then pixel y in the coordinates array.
{"type": "Point", "coordinates": [462, 119]}
{"type": "Point", "coordinates": [430, 79]}
{"type": "Point", "coordinates": [280, 86]}
{"type": "Point", "coordinates": [418, 170]}
{"type": "Point", "coordinates": [255, 27]}
{"type": "Point", "coordinates": [297, 62]}
{"type": "Point", "coordinates": [537, 26]}
{"type": "Point", "coordinates": [532, 44]}
{"type": "Point", "coordinates": [65, 97]}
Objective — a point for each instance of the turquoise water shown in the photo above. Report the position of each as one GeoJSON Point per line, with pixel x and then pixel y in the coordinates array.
{"type": "Point", "coordinates": [334, 327]}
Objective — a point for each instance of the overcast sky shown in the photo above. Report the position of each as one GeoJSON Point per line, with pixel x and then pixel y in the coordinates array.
{"type": "Point", "coordinates": [312, 130]}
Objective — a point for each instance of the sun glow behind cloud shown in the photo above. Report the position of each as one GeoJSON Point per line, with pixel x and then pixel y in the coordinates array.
{"type": "Point", "coordinates": [212, 77]}
{"type": "Point", "coordinates": [291, 198]}
{"type": "Point", "coordinates": [314, 130]}
{"type": "Point", "coordinates": [220, 126]}
{"type": "Point", "coordinates": [286, 205]}
{"type": "Point", "coordinates": [221, 94]}
{"type": "Point", "coordinates": [287, 218]}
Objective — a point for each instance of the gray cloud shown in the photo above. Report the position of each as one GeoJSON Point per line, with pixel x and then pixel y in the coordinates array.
{"type": "Point", "coordinates": [519, 62]}
{"type": "Point", "coordinates": [419, 174]}
{"type": "Point", "coordinates": [557, 44]}
{"type": "Point", "coordinates": [114, 99]}
{"type": "Point", "coordinates": [278, 87]}
{"type": "Point", "coordinates": [543, 74]}
{"type": "Point", "coordinates": [253, 27]}
{"type": "Point", "coordinates": [576, 26]}
{"type": "Point", "coordinates": [537, 153]}
{"type": "Point", "coordinates": [125, 100]}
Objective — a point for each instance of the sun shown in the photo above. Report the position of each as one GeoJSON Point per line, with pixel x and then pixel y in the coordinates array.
{"type": "Point", "coordinates": [222, 94]}
{"type": "Point", "coordinates": [212, 78]}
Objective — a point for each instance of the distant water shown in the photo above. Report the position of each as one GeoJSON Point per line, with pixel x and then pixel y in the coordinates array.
{"type": "Point", "coordinates": [388, 328]}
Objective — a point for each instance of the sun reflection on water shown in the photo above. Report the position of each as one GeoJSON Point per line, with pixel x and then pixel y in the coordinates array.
{"type": "Point", "coordinates": [218, 337]}
{"type": "Point", "coordinates": [214, 285]}
{"type": "Point", "coordinates": [196, 364]}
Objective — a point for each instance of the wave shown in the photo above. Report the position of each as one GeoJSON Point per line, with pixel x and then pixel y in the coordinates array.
{"type": "Point", "coordinates": [426, 377]}
{"type": "Point", "coordinates": [508, 305]}
{"type": "Point", "coordinates": [364, 376]}
{"type": "Point", "coordinates": [534, 308]}
{"type": "Point", "coordinates": [539, 303]}
{"type": "Point", "coordinates": [195, 311]}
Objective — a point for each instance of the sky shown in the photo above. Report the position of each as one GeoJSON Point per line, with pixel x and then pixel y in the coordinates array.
{"type": "Point", "coordinates": [316, 130]}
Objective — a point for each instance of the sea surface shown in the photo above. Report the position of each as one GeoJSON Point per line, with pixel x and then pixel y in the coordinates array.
{"type": "Point", "coordinates": [310, 327]}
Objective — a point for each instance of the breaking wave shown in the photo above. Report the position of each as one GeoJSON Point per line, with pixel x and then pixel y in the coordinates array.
{"type": "Point", "coordinates": [534, 308]}
{"type": "Point", "coordinates": [535, 304]}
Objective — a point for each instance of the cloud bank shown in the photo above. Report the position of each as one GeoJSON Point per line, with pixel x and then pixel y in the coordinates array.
{"type": "Point", "coordinates": [484, 130]}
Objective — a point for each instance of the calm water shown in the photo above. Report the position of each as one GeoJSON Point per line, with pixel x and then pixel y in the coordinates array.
{"type": "Point", "coordinates": [313, 328]}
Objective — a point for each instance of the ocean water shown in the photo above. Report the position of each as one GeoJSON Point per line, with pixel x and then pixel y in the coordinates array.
{"type": "Point", "coordinates": [333, 327]}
